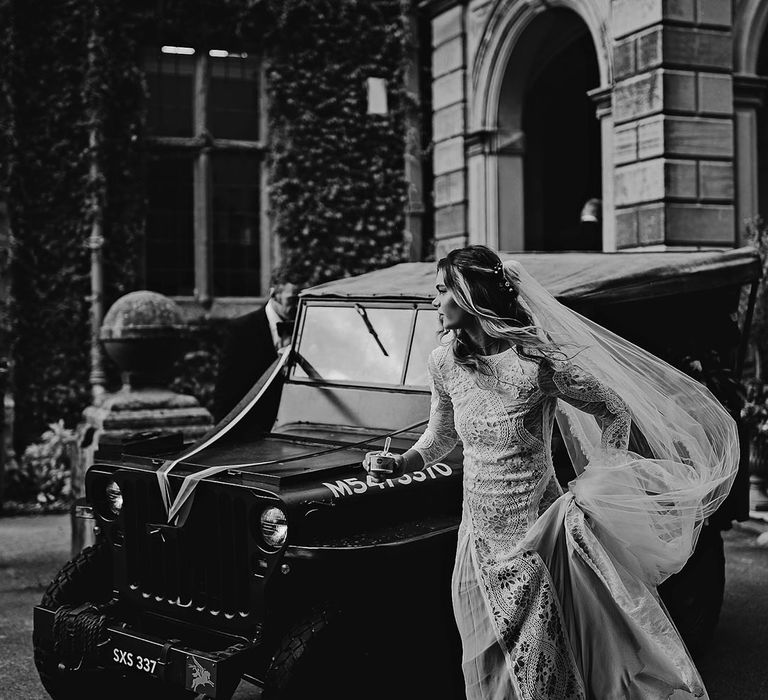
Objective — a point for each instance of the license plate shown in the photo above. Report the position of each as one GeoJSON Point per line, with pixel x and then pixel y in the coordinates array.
{"type": "Point", "coordinates": [130, 659]}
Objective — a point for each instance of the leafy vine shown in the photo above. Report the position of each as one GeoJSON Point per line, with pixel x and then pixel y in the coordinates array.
{"type": "Point", "coordinates": [73, 93]}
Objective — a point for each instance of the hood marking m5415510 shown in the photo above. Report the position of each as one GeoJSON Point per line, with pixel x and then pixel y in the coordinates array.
{"type": "Point", "coordinates": [353, 485]}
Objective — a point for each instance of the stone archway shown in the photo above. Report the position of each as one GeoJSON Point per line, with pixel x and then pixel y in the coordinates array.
{"type": "Point", "coordinates": [750, 54]}
{"type": "Point", "coordinates": [534, 147]}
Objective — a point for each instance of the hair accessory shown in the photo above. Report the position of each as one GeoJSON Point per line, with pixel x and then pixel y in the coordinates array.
{"type": "Point", "coordinates": [504, 283]}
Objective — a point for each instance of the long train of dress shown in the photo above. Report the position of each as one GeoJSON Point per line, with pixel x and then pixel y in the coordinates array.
{"type": "Point", "coordinates": [544, 605]}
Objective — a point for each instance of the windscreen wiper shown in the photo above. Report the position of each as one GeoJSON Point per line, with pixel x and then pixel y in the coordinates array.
{"type": "Point", "coordinates": [364, 315]}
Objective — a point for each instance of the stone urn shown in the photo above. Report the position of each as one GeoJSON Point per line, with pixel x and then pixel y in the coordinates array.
{"type": "Point", "coordinates": [144, 334]}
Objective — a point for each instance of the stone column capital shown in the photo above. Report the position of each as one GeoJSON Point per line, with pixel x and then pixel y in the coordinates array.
{"type": "Point", "coordinates": [494, 141]}
{"type": "Point", "coordinates": [601, 98]}
{"type": "Point", "coordinates": [479, 142]}
{"type": "Point", "coordinates": [749, 90]}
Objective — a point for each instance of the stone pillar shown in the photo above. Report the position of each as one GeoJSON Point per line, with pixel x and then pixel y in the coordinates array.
{"type": "Point", "coordinates": [673, 123]}
{"type": "Point", "coordinates": [448, 119]}
{"type": "Point", "coordinates": [124, 414]}
{"type": "Point", "coordinates": [414, 174]}
{"type": "Point", "coordinates": [142, 333]}
{"type": "Point", "coordinates": [748, 97]}
{"type": "Point", "coordinates": [602, 98]}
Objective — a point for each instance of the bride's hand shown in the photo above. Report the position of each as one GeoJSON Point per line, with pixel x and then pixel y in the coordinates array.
{"type": "Point", "coordinates": [383, 466]}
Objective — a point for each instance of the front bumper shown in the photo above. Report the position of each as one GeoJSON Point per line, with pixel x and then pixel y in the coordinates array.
{"type": "Point", "coordinates": [214, 674]}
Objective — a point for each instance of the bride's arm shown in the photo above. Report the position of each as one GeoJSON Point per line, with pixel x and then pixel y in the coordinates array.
{"type": "Point", "coordinates": [576, 386]}
{"type": "Point", "coordinates": [440, 436]}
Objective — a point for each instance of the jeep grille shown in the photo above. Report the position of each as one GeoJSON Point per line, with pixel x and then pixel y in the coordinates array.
{"type": "Point", "coordinates": [205, 565]}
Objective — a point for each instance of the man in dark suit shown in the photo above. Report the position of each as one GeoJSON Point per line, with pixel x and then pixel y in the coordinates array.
{"type": "Point", "coordinates": [252, 345]}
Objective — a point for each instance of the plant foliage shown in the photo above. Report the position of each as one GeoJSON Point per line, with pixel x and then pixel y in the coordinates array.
{"type": "Point", "coordinates": [338, 190]}
{"type": "Point", "coordinates": [42, 475]}
{"type": "Point", "coordinates": [73, 119]}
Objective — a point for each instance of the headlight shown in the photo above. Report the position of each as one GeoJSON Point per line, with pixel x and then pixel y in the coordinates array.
{"type": "Point", "coordinates": [274, 528]}
{"type": "Point", "coordinates": [113, 497]}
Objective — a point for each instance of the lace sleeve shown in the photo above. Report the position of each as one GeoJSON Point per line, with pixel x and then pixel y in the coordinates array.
{"type": "Point", "coordinates": [440, 436]}
{"type": "Point", "coordinates": [576, 386]}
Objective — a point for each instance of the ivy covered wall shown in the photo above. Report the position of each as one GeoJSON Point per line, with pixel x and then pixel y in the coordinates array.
{"type": "Point", "coordinates": [338, 191]}
{"type": "Point", "coordinates": [71, 70]}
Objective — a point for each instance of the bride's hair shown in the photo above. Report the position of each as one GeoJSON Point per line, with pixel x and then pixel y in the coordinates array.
{"type": "Point", "coordinates": [484, 287]}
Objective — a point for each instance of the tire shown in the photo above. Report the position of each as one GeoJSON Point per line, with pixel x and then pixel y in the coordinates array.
{"type": "Point", "coordinates": [88, 578]}
{"type": "Point", "coordinates": [345, 656]}
{"type": "Point", "coordinates": [694, 596]}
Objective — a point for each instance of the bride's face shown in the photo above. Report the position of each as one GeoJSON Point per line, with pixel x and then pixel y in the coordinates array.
{"type": "Point", "coordinates": [452, 316]}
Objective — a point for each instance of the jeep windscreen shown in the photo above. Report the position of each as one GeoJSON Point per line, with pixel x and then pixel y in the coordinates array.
{"type": "Point", "coordinates": [389, 346]}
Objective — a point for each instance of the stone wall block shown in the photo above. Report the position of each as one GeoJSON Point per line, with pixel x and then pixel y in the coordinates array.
{"type": "Point", "coordinates": [680, 10]}
{"type": "Point", "coordinates": [696, 136]}
{"type": "Point", "coordinates": [625, 144]}
{"type": "Point", "coordinates": [716, 181]}
{"type": "Point", "coordinates": [654, 92]}
{"type": "Point", "coordinates": [448, 156]}
{"type": "Point", "coordinates": [649, 49]}
{"type": "Point", "coordinates": [650, 137]}
{"type": "Point", "coordinates": [448, 89]}
{"type": "Point", "coordinates": [448, 57]}
{"type": "Point", "coordinates": [446, 245]}
{"type": "Point", "coordinates": [450, 188]}
{"type": "Point", "coordinates": [447, 25]}
{"type": "Point", "coordinates": [680, 178]}
{"type": "Point", "coordinates": [630, 16]}
{"type": "Point", "coordinates": [715, 93]}
{"type": "Point", "coordinates": [450, 221]}
{"type": "Point", "coordinates": [448, 122]}
{"type": "Point", "coordinates": [679, 91]}
{"type": "Point", "coordinates": [624, 63]}
{"type": "Point", "coordinates": [714, 12]}
{"type": "Point", "coordinates": [651, 224]}
{"type": "Point", "coordinates": [637, 97]}
{"type": "Point", "coordinates": [639, 182]}
{"type": "Point", "coordinates": [699, 48]}
{"type": "Point", "coordinates": [700, 224]}
{"type": "Point", "coordinates": [626, 228]}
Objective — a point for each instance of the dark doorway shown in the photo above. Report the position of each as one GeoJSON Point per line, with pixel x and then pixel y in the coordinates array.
{"type": "Point", "coordinates": [562, 140]}
{"type": "Point", "coordinates": [762, 136]}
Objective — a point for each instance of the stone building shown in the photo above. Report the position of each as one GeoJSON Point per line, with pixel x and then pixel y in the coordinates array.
{"type": "Point", "coordinates": [531, 125]}
{"type": "Point", "coordinates": [655, 107]}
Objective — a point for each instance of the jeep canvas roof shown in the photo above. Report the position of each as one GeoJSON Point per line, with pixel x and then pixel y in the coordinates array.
{"type": "Point", "coordinates": [574, 276]}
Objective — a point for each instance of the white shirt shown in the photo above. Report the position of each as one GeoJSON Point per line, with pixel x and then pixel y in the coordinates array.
{"type": "Point", "coordinates": [273, 320]}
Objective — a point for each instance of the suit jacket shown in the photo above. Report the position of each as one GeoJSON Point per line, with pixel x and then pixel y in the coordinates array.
{"type": "Point", "coordinates": [247, 353]}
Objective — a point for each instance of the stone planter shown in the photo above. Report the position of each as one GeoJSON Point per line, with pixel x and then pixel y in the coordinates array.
{"type": "Point", "coordinates": [144, 334]}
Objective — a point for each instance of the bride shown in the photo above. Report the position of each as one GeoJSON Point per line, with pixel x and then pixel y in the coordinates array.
{"type": "Point", "coordinates": [555, 594]}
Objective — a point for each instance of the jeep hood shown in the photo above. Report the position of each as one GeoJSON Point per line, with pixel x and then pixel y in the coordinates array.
{"type": "Point", "coordinates": [282, 460]}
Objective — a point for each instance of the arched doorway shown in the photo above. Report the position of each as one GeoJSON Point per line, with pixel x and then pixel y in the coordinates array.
{"type": "Point", "coordinates": [544, 159]}
{"type": "Point", "coordinates": [562, 141]}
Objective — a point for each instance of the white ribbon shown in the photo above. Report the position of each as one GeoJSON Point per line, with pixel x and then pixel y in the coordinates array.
{"type": "Point", "coordinates": [191, 480]}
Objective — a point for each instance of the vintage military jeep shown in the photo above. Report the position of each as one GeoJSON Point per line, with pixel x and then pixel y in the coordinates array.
{"type": "Point", "coordinates": [289, 567]}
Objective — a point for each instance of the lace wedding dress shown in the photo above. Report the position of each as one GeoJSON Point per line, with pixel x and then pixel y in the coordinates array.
{"type": "Point", "coordinates": [546, 609]}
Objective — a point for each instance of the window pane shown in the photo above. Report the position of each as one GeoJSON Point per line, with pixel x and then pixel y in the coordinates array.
{"type": "Point", "coordinates": [236, 253]}
{"type": "Point", "coordinates": [170, 262]}
{"type": "Point", "coordinates": [170, 80]}
{"type": "Point", "coordinates": [425, 339]}
{"type": "Point", "coordinates": [234, 98]}
{"type": "Point", "coordinates": [338, 345]}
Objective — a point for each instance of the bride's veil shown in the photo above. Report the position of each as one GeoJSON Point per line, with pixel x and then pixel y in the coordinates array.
{"type": "Point", "coordinates": [651, 500]}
